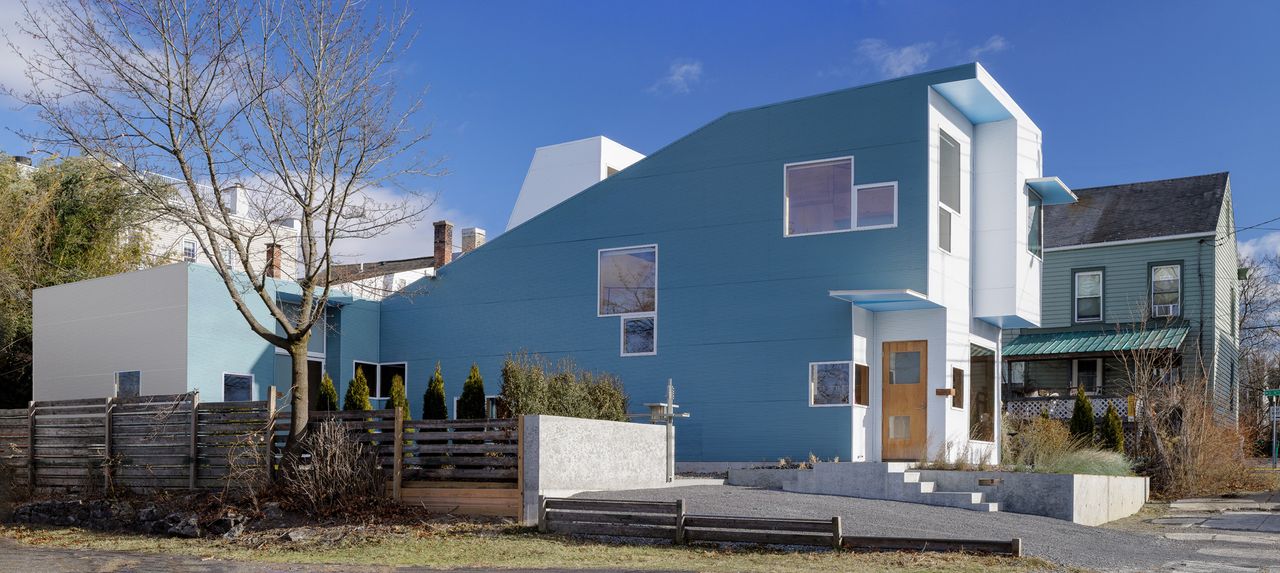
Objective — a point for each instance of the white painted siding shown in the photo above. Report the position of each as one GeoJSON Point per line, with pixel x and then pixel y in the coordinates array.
{"type": "Point", "coordinates": [561, 171]}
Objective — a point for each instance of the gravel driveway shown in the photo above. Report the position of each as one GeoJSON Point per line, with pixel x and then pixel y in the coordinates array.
{"type": "Point", "coordinates": [1052, 539]}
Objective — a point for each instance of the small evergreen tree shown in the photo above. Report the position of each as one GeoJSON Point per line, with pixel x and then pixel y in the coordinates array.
{"type": "Point", "coordinates": [471, 404]}
{"type": "Point", "coordinates": [357, 394]}
{"type": "Point", "coordinates": [328, 399]}
{"type": "Point", "coordinates": [1082, 421]}
{"type": "Point", "coordinates": [433, 404]}
{"type": "Point", "coordinates": [1111, 434]}
{"type": "Point", "coordinates": [398, 399]}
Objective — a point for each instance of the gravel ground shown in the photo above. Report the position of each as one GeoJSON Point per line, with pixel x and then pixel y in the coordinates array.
{"type": "Point", "coordinates": [1058, 541]}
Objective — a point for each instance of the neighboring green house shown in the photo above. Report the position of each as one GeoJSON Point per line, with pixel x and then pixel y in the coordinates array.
{"type": "Point", "coordinates": [1150, 263]}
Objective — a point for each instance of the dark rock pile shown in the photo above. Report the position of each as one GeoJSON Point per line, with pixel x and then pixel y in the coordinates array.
{"type": "Point", "coordinates": [110, 515]}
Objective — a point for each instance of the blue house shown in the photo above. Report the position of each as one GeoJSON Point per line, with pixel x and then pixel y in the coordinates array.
{"type": "Point", "coordinates": [830, 275]}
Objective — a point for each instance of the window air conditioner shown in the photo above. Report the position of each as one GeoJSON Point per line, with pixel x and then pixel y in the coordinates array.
{"type": "Point", "coordinates": [1164, 310]}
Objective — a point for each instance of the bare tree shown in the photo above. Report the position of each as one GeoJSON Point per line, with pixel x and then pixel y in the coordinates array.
{"type": "Point", "coordinates": [261, 111]}
{"type": "Point", "coordinates": [1259, 328]}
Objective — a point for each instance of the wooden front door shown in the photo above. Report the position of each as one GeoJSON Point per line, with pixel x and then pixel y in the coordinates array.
{"type": "Point", "coordinates": [903, 431]}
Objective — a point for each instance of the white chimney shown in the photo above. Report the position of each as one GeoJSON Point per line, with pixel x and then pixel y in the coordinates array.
{"type": "Point", "coordinates": [472, 237]}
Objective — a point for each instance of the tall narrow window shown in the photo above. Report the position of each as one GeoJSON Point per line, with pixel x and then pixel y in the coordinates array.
{"type": "Point", "coordinates": [861, 377]}
{"type": "Point", "coordinates": [819, 196]}
{"type": "Point", "coordinates": [829, 383]}
{"type": "Point", "coordinates": [944, 229]}
{"type": "Point", "coordinates": [957, 387]}
{"type": "Point", "coordinates": [1088, 373]}
{"type": "Point", "coordinates": [189, 250]}
{"type": "Point", "coordinates": [1088, 296]}
{"type": "Point", "coordinates": [387, 375]}
{"type": "Point", "coordinates": [982, 393]}
{"type": "Point", "coordinates": [1035, 223]}
{"type": "Point", "coordinates": [237, 387]}
{"type": "Point", "coordinates": [948, 187]}
{"type": "Point", "coordinates": [128, 384]}
{"type": "Point", "coordinates": [1166, 291]}
{"type": "Point", "coordinates": [370, 372]}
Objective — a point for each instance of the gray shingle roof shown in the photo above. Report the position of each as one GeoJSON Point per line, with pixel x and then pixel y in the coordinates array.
{"type": "Point", "coordinates": [1137, 211]}
{"type": "Point", "coordinates": [356, 271]}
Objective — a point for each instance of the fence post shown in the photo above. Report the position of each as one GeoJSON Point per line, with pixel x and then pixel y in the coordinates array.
{"type": "Point", "coordinates": [31, 447]}
{"type": "Point", "coordinates": [271, 434]}
{"type": "Point", "coordinates": [106, 449]}
{"type": "Point", "coordinates": [679, 522]}
{"type": "Point", "coordinates": [397, 471]}
{"type": "Point", "coordinates": [1015, 547]}
{"type": "Point", "coordinates": [194, 453]}
{"type": "Point", "coordinates": [837, 536]}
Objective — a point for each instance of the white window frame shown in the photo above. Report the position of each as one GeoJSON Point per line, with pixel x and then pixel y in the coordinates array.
{"type": "Point", "coordinates": [622, 333]}
{"type": "Point", "coordinates": [1075, 376]}
{"type": "Point", "coordinates": [377, 376]}
{"type": "Point", "coordinates": [786, 196]}
{"type": "Point", "coordinates": [487, 398]}
{"type": "Point", "coordinates": [115, 380]}
{"type": "Point", "coordinates": [810, 382]}
{"type": "Point", "coordinates": [854, 207]}
{"type": "Point", "coordinates": [253, 384]}
{"type": "Point", "coordinates": [1075, 296]}
{"type": "Point", "coordinates": [195, 252]}
{"type": "Point", "coordinates": [600, 254]}
{"type": "Point", "coordinates": [950, 230]}
{"type": "Point", "coordinates": [1152, 280]}
{"type": "Point", "coordinates": [1039, 255]}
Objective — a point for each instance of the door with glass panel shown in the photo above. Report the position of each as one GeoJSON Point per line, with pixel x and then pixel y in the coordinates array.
{"type": "Point", "coordinates": [903, 415]}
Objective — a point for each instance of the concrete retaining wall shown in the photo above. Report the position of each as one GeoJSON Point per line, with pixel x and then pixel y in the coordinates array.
{"type": "Point", "coordinates": [564, 456]}
{"type": "Point", "coordinates": [1083, 499]}
{"type": "Point", "coordinates": [767, 478]}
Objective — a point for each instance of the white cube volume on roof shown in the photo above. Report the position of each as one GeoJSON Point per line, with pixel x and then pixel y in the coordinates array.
{"type": "Point", "coordinates": [563, 170]}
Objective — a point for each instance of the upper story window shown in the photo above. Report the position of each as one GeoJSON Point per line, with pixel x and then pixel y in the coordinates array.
{"type": "Point", "coordinates": [1166, 291]}
{"type": "Point", "coordinates": [628, 280]}
{"type": "Point", "coordinates": [1035, 223]}
{"type": "Point", "coordinates": [821, 198]}
{"type": "Point", "coordinates": [189, 250]}
{"type": "Point", "coordinates": [948, 172]}
{"type": "Point", "coordinates": [1088, 296]}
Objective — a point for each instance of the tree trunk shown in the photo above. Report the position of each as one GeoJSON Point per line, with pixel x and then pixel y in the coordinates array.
{"type": "Point", "coordinates": [299, 411]}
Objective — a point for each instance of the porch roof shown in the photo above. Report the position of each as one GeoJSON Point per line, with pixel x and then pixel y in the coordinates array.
{"type": "Point", "coordinates": [1055, 344]}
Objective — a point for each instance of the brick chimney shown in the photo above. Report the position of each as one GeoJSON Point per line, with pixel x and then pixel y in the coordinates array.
{"type": "Point", "coordinates": [472, 237]}
{"type": "Point", "coordinates": [275, 255]}
{"type": "Point", "coordinates": [444, 243]}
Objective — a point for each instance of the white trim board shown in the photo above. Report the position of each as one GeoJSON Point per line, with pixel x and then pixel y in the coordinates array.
{"type": "Point", "coordinates": [1132, 241]}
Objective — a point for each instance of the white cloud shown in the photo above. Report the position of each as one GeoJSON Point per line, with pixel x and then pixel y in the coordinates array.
{"type": "Point", "coordinates": [683, 75]}
{"type": "Point", "coordinates": [1266, 245]}
{"type": "Point", "coordinates": [406, 241]}
{"type": "Point", "coordinates": [13, 71]}
{"type": "Point", "coordinates": [994, 45]}
{"type": "Point", "coordinates": [891, 61]}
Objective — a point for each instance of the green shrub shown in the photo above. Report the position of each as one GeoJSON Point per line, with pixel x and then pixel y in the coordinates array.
{"type": "Point", "coordinates": [1111, 434]}
{"type": "Point", "coordinates": [357, 397]}
{"type": "Point", "coordinates": [398, 399]}
{"type": "Point", "coordinates": [471, 403]}
{"type": "Point", "coordinates": [1047, 446]}
{"type": "Point", "coordinates": [433, 402]}
{"type": "Point", "coordinates": [1082, 421]}
{"type": "Point", "coordinates": [328, 398]}
{"type": "Point", "coordinates": [530, 385]}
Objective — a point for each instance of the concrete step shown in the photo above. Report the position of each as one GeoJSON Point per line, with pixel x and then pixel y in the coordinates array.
{"type": "Point", "coordinates": [989, 506]}
{"type": "Point", "coordinates": [899, 467]}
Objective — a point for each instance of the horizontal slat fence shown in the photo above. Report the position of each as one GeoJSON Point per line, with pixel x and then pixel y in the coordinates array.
{"type": "Point", "coordinates": [668, 520]}
{"type": "Point", "coordinates": [176, 441]}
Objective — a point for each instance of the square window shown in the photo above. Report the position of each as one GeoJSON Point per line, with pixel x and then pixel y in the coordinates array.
{"type": "Point", "coordinates": [819, 197]}
{"type": "Point", "coordinates": [628, 280]}
{"type": "Point", "coordinates": [639, 335]}
{"type": "Point", "coordinates": [904, 368]}
{"type": "Point", "coordinates": [237, 387]}
{"type": "Point", "coordinates": [877, 205]}
{"type": "Point", "coordinates": [128, 384]}
{"type": "Point", "coordinates": [829, 384]}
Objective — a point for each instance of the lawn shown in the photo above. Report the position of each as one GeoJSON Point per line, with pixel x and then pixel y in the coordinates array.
{"type": "Point", "coordinates": [516, 548]}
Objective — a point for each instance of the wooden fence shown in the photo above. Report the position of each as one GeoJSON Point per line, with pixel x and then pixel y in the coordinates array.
{"type": "Point", "coordinates": [668, 520]}
{"type": "Point", "coordinates": [177, 442]}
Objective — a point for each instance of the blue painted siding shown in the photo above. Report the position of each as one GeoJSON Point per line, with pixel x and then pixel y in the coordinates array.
{"type": "Point", "coordinates": [219, 339]}
{"type": "Point", "coordinates": [741, 309]}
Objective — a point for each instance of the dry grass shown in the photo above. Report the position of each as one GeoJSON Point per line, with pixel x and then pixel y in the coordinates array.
{"type": "Point", "coordinates": [495, 547]}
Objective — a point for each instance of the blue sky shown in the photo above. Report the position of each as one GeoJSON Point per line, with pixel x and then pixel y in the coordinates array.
{"type": "Point", "coordinates": [1124, 91]}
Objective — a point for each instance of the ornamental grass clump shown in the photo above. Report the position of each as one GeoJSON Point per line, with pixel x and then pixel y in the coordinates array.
{"type": "Point", "coordinates": [1045, 445]}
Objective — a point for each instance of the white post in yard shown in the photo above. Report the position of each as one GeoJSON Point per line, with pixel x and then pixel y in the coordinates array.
{"type": "Point", "coordinates": [668, 412]}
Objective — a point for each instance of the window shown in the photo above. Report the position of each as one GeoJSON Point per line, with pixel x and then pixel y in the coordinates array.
{"type": "Point", "coordinates": [628, 280]}
{"type": "Point", "coordinates": [904, 368]}
{"type": "Point", "coordinates": [944, 229]}
{"type": "Point", "coordinates": [829, 383]}
{"type": "Point", "coordinates": [494, 407]}
{"type": "Point", "coordinates": [639, 335]}
{"type": "Point", "coordinates": [387, 375]}
{"type": "Point", "coordinates": [957, 387]}
{"type": "Point", "coordinates": [949, 172]}
{"type": "Point", "coordinates": [861, 375]}
{"type": "Point", "coordinates": [1087, 372]}
{"type": "Point", "coordinates": [982, 393]}
{"type": "Point", "coordinates": [237, 387]}
{"type": "Point", "coordinates": [128, 384]}
{"type": "Point", "coordinates": [1166, 291]}
{"type": "Point", "coordinates": [1035, 223]}
{"type": "Point", "coordinates": [228, 255]}
{"type": "Point", "coordinates": [189, 250]}
{"type": "Point", "coordinates": [819, 196]}
{"type": "Point", "coordinates": [1088, 295]}
{"type": "Point", "coordinates": [319, 331]}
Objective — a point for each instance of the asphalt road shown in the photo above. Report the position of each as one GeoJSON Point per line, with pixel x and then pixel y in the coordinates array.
{"type": "Point", "coordinates": [1058, 541]}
